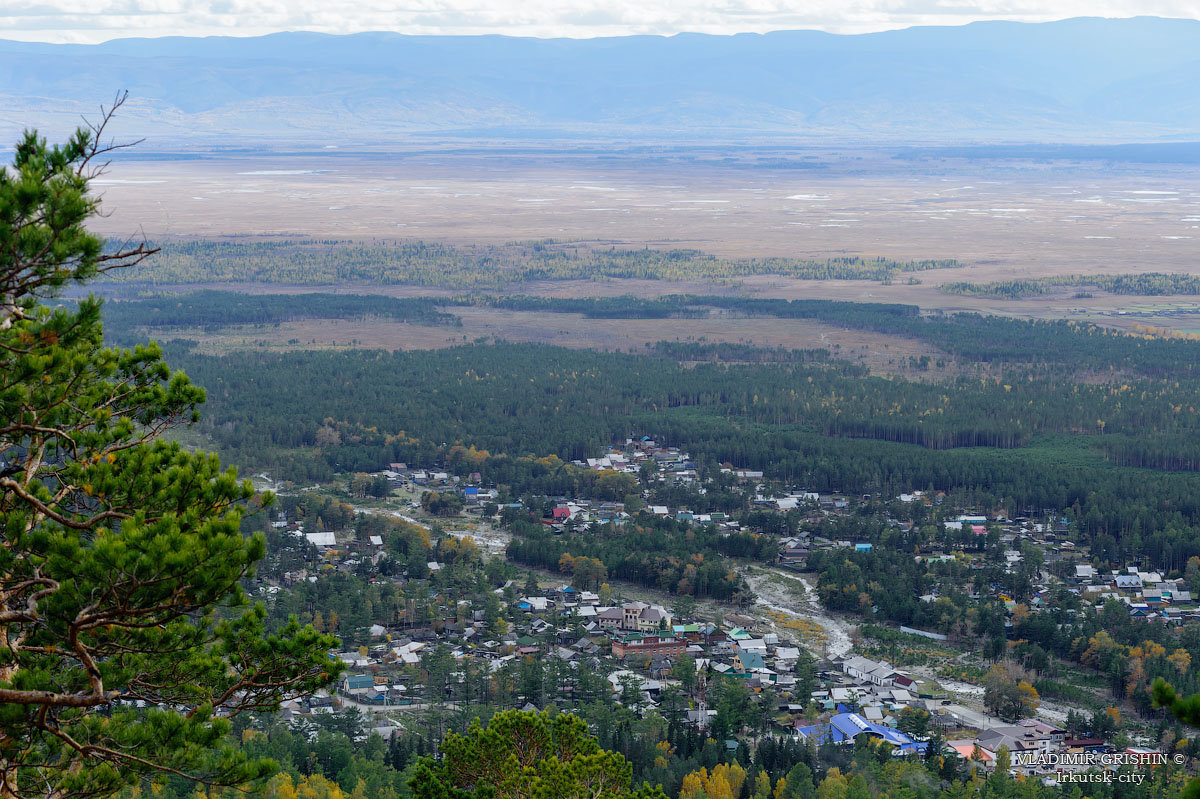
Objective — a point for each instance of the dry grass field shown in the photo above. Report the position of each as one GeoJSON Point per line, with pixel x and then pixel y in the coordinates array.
{"type": "Point", "coordinates": [1000, 219]}
{"type": "Point", "coordinates": [882, 354]}
{"type": "Point", "coordinates": [1003, 219]}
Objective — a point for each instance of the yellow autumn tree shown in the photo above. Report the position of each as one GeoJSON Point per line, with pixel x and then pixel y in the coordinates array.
{"type": "Point", "coordinates": [1137, 677]}
{"type": "Point", "coordinates": [316, 786]}
{"type": "Point", "coordinates": [1028, 697]}
{"type": "Point", "coordinates": [1100, 651]}
{"type": "Point", "coordinates": [834, 786]}
{"type": "Point", "coordinates": [1153, 650]}
{"type": "Point", "coordinates": [662, 751]}
{"type": "Point", "coordinates": [280, 787]}
{"type": "Point", "coordinates": [725, 782]}
{"type": "Point", "coordinates": [693, 784]}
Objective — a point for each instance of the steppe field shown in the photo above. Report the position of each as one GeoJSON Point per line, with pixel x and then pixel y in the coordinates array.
{"type": "Point", "coordinates": [1001, 218]}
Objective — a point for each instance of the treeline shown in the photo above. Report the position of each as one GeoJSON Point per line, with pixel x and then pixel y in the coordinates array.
{"type": "Point", "coordinates": [732, 352]}
{"type": "Point", "coordinates": [1144, 284]}
{"type": "Point", "coordinates": [1179, 452]}
{"type": "Point", "coordinates": [211, 310]}
{"type": "Point", "coordinates": [1020, 344]}
{"type": "Point", "coordinates": [314, 262]}
{"type": "Point", "coordinates": [852, 314]}
{"type": "Point", "coordinates": [623, 307]}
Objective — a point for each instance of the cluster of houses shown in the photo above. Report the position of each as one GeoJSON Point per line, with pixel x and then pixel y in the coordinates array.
{"type": "Point", "coordinates": [670, 462]}
{"type": "Point", "coordinates": [642, 642]}
{"type": "Point", "coordinates": [868, 696]}
{"type": "Point", "coordinates": [632, 639]}
{"type": "Point", "coordinates": [648, 636]}
{"type": "Point", "coordinates": [639, 643]}
{"type": "Point", "coordinates": [346, 554]}
{"type": "Point", "coordinates": [670, 466]}
{"type": "Point", "coordinates": [585, 512]}
{"type": "Point", "coordinates": [865, 696]}
{"type": "Point", "coordinates": [1147, 594]}
{"type": "Point", "coordinates": [843, 728]}
{"type": "Point", "coordinates": [400, 475]}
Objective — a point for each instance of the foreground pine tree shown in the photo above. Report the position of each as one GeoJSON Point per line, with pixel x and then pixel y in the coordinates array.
{"type": "Point", "coordinates": [126, 644]}
{"type": "Point", "coordinates": [527, 755]}
{"type": "Point", "coordinates": [1185, 709]}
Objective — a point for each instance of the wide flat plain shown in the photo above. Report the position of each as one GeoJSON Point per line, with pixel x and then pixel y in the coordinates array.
{"type": "Point", "coordinates": [1001, 219]}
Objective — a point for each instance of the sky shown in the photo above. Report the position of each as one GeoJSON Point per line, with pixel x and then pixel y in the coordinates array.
{"type": "Point", "coordinates": [90, 21]}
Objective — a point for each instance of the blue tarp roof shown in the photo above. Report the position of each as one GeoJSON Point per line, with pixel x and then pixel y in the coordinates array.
{"type": "Point", "coordinates": [845, 727]}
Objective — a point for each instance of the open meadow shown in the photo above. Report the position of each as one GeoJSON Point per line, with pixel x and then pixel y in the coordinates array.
{"type": "Point", "coordinates": [885, 354]}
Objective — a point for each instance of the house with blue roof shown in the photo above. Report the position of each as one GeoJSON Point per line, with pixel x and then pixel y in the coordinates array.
{"type": "Point", "coordinates": [357, 682]}
{"type": "Point", "coordinates": [843, 728]}
{"type": "Point", "coordinates": [750, 661]}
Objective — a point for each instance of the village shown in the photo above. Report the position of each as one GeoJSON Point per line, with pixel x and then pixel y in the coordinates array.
{"type": "Point", "coordinates": [676, 658]}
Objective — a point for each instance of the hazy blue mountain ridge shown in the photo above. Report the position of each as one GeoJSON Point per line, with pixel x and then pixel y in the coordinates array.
{"type": "Point", "coordinates": [1080, 79]}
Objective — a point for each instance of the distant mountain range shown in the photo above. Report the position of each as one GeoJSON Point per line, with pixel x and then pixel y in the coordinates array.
{"type": "Point", "coordinates": [1077, 80]}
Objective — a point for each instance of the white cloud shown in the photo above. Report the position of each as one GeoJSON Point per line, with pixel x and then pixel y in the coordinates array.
{"type": "Point", "coordinates": [99, 20]}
